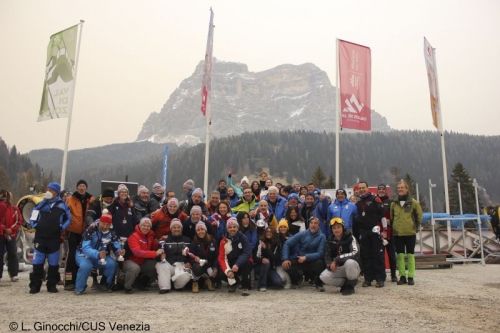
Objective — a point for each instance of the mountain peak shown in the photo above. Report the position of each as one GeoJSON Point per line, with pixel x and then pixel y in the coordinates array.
{"type": "Point", "coordinates": [286, 97]}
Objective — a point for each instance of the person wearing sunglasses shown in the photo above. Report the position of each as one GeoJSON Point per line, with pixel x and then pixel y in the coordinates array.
{"type": "Point", "coordinates": [342, 258]}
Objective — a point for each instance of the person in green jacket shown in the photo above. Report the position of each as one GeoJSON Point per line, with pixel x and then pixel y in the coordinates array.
{"type": "Point", "coordinates": [246, 202]}
{"type": "Point", "coordinates": [406, 216]}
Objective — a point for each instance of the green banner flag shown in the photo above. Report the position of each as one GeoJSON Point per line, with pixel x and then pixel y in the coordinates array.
{"type": "Point", "coordinates": [59, 75]}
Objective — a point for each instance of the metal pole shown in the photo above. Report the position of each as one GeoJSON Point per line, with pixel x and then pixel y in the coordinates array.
{"type": "Point", "coordinates": [432, 217]}
{"type": "Point", "coordinates": [460, 199]}
{"type": "Point", "coordinates": [479, 223]}
{"type": "Point", "coordinates": [337, 123]}
{"type": "Point", "coordinates": [421, 241]}
{"type": "Point", "coordinates": [463, 239]}
{"type": "Point", "coordinates": [417, 194]}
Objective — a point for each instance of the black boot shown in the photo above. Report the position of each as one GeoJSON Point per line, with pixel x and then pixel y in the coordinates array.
{"type": "Point", "coordinates": [349, 287]}
{"type": "Point", "coordinates": [52, 278]}
{"type": "Point", "coordinates": [36, 279]}
{"type": "Point", "coordinates": [95, 283]}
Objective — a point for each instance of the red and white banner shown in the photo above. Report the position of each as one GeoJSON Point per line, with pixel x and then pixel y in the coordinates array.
{"type": "Point", "coordinates": [355, 85]}
{"type": "Point", "coordinates": [430, 64]}
{"type": "Point", "coordinates": [207, 72]}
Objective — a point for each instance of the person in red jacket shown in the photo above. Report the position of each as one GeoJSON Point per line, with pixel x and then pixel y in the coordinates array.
{"type": "Point", "coordinates": [162, 218]}
{"type": "Point", "coordinates": [143, 246]}
{"type": "Point", "coordinates": [10, 222]}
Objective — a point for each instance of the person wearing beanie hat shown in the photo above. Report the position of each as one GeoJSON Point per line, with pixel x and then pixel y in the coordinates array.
{"type": "Point", "coordinates": [143, 204]}
{"type": "Point", "coordinates": [93, 214]}
{"type": "Point", "coordinates": [174, 223]}
{"type": "Point", "coordinates": [51, 210]}
{"type": "Point", "coordinates": [158, 192]}
{"type": "Point", "coordinates": [78, 203]}
{"type": "Point", "coordinates": [234, 257]}
{"type": "Point", "coordinates": [189, 225]}
{"type": "Point", "coordinates": [343, 208]}
{"type": "Point", "coordinates": [282, 223]}
{"type": "Point", "coordinates": [245, 182]}
{"type": "Point", "coordinates": [342, 258]}
{"type": "Point", "coordinates": [188, 188]}
{"type": "Point", "coordinates": [98, 241]}
{"type": "Point", "coordinates": [283, 236]}
{"type": "Point", "coordinates": [144, 249]}
{"type": "Point", "coordinates": [82, 182]}
{"type": "Point", "coordinates": [195, 199]}
{"type": "Point", "coordinates": [54, 187]}
{"type": "Point", "coordinates": [162, 217]}
{"type": "Point", "coordinates": [122, 188]}
{"type": "Point", "coordinates": [293, 200]}
{"type": "Point", "coordinates": [203, 257]}
{"type": "Point", "coordinates": [177, 260]}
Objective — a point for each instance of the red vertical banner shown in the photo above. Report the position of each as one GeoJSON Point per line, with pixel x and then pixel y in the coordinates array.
{"type": "Point", "coordinates": [207, 71]}
{"type": "Point", "coordinates": [355, 85]}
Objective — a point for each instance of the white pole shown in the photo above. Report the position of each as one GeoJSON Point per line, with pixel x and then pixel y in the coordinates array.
{"type": "Point", "coordinates": [65, 155]}
{"type": "Point", "coordinates": [432, 217]}
{"type": "Point", "coordinates": [479, 222]}
{"type": "Point", "coordinates": [417, 194]}
{"type": "Point", "coordinates": [337, 125]}
{"type": "Point", "coordinates": [443, 151]}
{"type": "Point", "coordinates": [460, 199]}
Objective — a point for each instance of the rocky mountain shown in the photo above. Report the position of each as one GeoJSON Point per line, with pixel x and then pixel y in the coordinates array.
{"type": "Point", "coordinates": [287, 97]}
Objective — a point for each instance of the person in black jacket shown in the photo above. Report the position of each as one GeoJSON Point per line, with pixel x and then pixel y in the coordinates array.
{"type": "Point", "coordinates": [267, 255]}
{"type": "Point", "coordinates": [174, 269]}
{"type": "Point", "coordinates": [204, 263]}
{"type": "Point", "coordinates": [371, 214]}
{"type": "Point", "coordinates": [143, 204]}
{"type": "Point", "coordinates": [235, 253]}
{"type": "Point", "coordinates": [342, 258]}
{"type": "Point", "coordinates": [391, 246]}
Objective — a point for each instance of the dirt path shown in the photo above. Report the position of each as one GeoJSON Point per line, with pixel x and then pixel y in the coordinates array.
{"type": "Point", "coordinates": [462, 299]}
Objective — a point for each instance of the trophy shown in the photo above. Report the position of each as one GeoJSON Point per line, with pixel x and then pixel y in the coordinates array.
{"type": "Point", "coordinates": [104, 247]}
{"type": "Point", "coordinates": [122, 241]}
{"type": "Point", "coordinates": [186, 252]}
{"type": "Point", "coordinates": [162, 243]}
{"type": "Point", "coordinates": [376, 229]}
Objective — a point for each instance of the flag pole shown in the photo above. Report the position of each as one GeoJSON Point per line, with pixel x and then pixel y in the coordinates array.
{"type": "Point", "coordinates": [65, 155]}
{"type": "Point", "coordinates": [337, 125]}
{"type": "Point", "coordinates": [443, 153]}
{"type": "Point", "coordinates": [207, 96]}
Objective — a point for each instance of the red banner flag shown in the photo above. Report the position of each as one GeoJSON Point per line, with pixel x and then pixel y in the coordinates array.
{"type": "Point", "coordinates": [355, 85]}
{"type": "Point", "coordinates": [207, 72]}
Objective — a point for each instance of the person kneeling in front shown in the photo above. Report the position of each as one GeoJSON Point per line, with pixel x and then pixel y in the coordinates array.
{"type": "Point", "coordinates": [93, 251]}
{"type": "Point", "coordinates": [235, 253]}
{"type": "Point", "coordinates": [342, 258]}
{"type": "Point", "coordinates": [173, 265]}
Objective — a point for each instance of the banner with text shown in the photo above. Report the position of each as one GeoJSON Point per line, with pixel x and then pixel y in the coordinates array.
{"type": "Point", "coordinates": [355, 85]}
{"type": "Point", "coordinates": [207, 71]}
{"type": "Point", "coordinates": [430, 64]}
{"type": "Point", "coordinates": [59, 75]}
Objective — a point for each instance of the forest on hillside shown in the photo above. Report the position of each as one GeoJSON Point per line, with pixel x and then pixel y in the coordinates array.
{"type": "Point", "coordinates": [294, 156]}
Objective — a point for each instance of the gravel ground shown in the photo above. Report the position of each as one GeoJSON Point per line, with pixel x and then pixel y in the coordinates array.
{"type": "Point", "coordinates": [465, 298]}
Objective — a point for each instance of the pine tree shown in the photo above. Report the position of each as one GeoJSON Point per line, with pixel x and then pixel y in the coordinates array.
{"type": "Point", "coordinates": [318, 177]}
{"type": "Point", "coordinates": [460, 175]}
{"type": "Point", "coordinates": [330, 183]}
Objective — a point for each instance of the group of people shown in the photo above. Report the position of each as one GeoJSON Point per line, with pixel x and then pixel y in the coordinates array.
{"type": "Point", "coordinates": [285, 235]}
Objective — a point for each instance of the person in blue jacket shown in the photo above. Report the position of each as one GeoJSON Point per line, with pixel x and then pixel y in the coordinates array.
{"type": "Point", "coordinates": [317, 207]}
{"type": "Point", "coordinates": [49, 218]}
{"type": "Point", "coordinates": [276, 203]}
{"type": "Point", "coordinates": [247, 228]}
{"type": "Point", "coordinates": [93, 252]}
{"type": "Point", "coordinates": [311, 250]}
{"type": "Point", "coordinates": [342, 208]}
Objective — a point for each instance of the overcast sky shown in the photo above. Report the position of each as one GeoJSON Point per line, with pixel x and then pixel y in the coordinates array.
{"type": "Point", "coordinates": [135, 53]}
